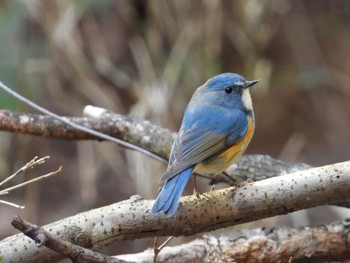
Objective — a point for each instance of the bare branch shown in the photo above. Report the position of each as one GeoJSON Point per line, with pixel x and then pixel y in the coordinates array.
{"type": "Point", "coordinates": [307, 244]}
{"type": "Point", "coordinates": [194, 251]}
{"type": "Point", "coordinates": [11, 204]}
{"type": "Point", "coordinates": [41, 177]}
{"type": "Point", "coordinates": [133, 219]}
{"type": "Point", "coordinates": [30, 164]}
{"type": "Point", "coordinates": [64, 248]}
{"type": "Point", "coordinates": [77, 126]}
{"type": "Point", "coordinates": [156, 250]}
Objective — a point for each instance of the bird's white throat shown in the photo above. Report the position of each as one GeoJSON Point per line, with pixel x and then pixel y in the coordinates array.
{"type": "Point", "coordinates": [247, 100]}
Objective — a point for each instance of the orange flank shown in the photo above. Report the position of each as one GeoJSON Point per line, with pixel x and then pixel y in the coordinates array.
{"type": "Point", "coordinates": [232, 154]}
{"type": "Point", "coordinates": [217, 164]}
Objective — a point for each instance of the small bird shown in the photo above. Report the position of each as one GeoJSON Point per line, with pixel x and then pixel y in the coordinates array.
{"type": "Point", "coordinates": [217, 127]}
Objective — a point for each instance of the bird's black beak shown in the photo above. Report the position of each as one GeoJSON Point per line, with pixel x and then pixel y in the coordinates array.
{"type": "Point", "coordinates": [251, 83]}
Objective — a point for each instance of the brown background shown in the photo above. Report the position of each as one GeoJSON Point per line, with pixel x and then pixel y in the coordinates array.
{"type": "Point", "coordinates": [146, 58]}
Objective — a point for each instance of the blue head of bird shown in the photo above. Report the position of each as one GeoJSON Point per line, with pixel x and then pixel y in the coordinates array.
{"type": "Point", "coordinates": [227, 90]}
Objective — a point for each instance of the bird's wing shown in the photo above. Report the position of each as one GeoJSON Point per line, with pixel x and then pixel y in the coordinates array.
{"type": "Point", "coordinates": [205, 137]}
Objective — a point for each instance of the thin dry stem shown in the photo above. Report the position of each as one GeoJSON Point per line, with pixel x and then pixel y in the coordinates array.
{"type": "Point", "coordinates": [30, 165]}
{"type": "Point", "coordinates": [12, 204]}
{"type": "Point", "coordinates": [34, 180]}
{"type": "Point", "coordinates": [158, 249]}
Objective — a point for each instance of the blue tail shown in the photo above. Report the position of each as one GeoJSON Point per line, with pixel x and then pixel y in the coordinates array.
{"type": "Point", "coordinates": [169, 197]}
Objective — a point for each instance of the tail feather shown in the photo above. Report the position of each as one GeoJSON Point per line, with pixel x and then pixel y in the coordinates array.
{"type": "Point", "coordinates": [169, 197]}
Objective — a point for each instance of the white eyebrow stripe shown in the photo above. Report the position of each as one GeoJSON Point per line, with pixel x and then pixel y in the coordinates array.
{"type": "Point", "coordinates": [239, 83]}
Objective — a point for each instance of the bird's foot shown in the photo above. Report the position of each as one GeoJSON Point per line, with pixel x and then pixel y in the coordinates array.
{"type": "Point", "coordinates": [196, 193]}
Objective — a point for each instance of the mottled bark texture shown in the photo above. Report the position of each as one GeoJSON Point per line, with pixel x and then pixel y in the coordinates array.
{"type": "Point", "coordinates": [307, 244]}
{"type": "Point", "coordinates": [130, 129]}
{"type": "Point", "coordinates": [78, 254]}
{"type": "Point", "coordinates": [131, 219]}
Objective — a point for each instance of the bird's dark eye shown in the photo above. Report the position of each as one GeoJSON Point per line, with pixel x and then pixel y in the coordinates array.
{"type": "Point", "coordinates": [229, 90]}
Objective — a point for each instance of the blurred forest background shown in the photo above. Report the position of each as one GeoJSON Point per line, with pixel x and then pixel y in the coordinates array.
{"type": "Point", "coordinates": [146, 58]}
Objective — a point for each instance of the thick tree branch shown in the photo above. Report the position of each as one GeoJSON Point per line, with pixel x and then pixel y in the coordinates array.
{"type": "Point", "coordinates": [77, 126]}
{"type": "Point", "coordinates": [129, 129]}
{"type": "Point", "coordinates": [302, 245]}
{"type": "Point", "coordinates": [133, 219]}
{"type": "Point", "coordinates": [138, 132]}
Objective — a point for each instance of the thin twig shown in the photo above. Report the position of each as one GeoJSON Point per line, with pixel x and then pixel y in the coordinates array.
{"type": "Point", "coordinates": [158, 249]}
{"type": "Point", "coordinates": [12, 204]}
{"type": "Point", "coordinates": [30, 164]}
{"type": "Point", "coordinates": [33, 180]}
{"type": "Point", "coordinates": [155, 250]}
{"type": "Point", "coordinates": [165, 243]}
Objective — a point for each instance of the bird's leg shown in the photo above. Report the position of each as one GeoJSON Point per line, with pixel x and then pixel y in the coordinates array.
{"type": "Point", "coordinates": [195, 192]}
{"type": "Point", "coordinates": [212, 187]}
{"type": "Point", "coordinates": [230, 180]}
{"type": "Point", "coordinates": [158, 249]}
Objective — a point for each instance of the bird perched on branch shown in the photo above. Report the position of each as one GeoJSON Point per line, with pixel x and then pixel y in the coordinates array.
{"type": "Point", "coordinates": [217, 127]}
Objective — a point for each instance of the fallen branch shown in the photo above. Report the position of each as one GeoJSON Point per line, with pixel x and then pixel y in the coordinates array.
{"type": "Point", "coordinates": [132, 219]}
{"type": "Point", "coordinates": [64, 248]}
{"type": "Point", "coordinates": [307, 244]}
